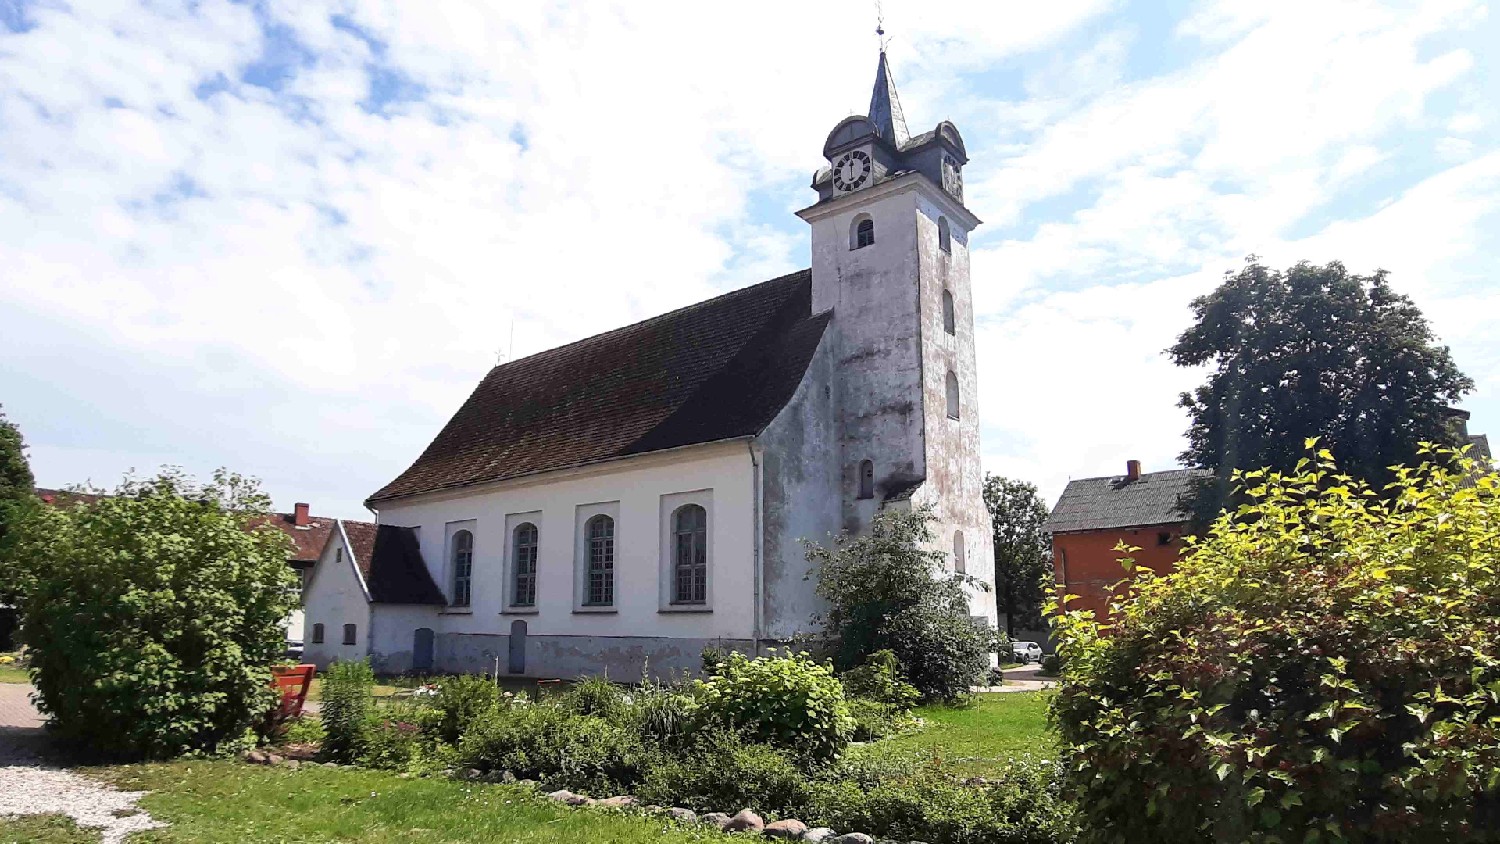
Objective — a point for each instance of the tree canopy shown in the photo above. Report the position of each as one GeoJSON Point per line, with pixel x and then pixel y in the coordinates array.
{"type": "Point", "coordinates": [1023, 554]}
{"type": "Point", "coordinates": [1314, 351]}
{"type": "Point", "coordinates": [17, 496]}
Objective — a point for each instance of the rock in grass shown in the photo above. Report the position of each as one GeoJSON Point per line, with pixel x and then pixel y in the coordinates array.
{"type": "Point", "coordinates": [817, 835]}
{"type": "Point", "coordinates": [852, 838]}
{"type": "Point", "coordinates": [678, 813]}
{"type": "Point", "coordinates": [617, 802]}
{"type": "Point", "coordinates": [567, 797]}
{"type": "Point", "coordinates": [718, 819]}
{"type": "Point", "coordinates": [791, 828]}
{"type": "Point", "coordinates": [256, 757]}
{"type": "Point", "coordinates": [745, 821]}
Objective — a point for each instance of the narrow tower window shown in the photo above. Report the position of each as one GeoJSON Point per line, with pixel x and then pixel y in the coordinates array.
{"type": "Point", "coordinates": [863, 234]}
{"type": "Point", "coordinates": [952, 396]}
{"type": "Point", "coordinates": [866, 479]}
{"type": "Point", "coordinates": [463, 567]}
{"type": "Point", "coordinates": [945, 235]}
{"type": "Point", "coordinates": [948, 319]}
{"type": "Point", "coordinates": [524, 557]}
{"type": "Point", "coordinates": [960, 564]}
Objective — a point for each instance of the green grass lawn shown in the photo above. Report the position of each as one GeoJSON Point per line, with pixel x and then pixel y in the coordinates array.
{"type": "Point", "coordinates": [218, 801]}
{"type": "Point", "coordinates": [979, 739]}
{"type": "Point", "coordinates": [12, 674]}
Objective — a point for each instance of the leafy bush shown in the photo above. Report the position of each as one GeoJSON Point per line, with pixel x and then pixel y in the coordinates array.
{"type": "Point", "coordinates": [788, 701]}
{"type": "Point", "coordinates": [1323, 665]}
{"type": "Point", "coordinates": [347, 687]}
{"type": "Point", "coordinates": [711, 658]}
{"type": "Point", "coordinates": [594, 696]}
{"type": "Point", "coordinates": [1051, 664]}
{"type": "Point", "coordinates": [662, 713]}
{"type": "Point", "coordinates": [886, 591]}
{"type": "Point", "coordinates": [874, 720]}
{"type": "Point", "coordinates": [308, 729]}
{"type": "Point", "coordinates": [915, 798]}
{"type": "Point", "coordinates": [404, 735]}
{"type": "Point", "coordinates": [879, 680]}
{"type": "Point", "coordinates": [564, 750]}
{"type": "Point", "coordinates": [720, 771]}
{"type": "Point", "coordinates": [155, 615]}
{"type": "Point", "coordinates": [462, 699]}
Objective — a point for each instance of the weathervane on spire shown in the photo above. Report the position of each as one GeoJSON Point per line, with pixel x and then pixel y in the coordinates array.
{"type": "Point", "coordinates": [880, 25]}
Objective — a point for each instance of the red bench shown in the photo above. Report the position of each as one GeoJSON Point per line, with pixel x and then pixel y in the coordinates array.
{"type": "Point", "coordinates": [293, 682]}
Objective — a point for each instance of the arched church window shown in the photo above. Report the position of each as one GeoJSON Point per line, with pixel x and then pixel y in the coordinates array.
{"type": "Point", "coordinates": [524, 555]}
{"type": "Point", "coordinates": [952, 396]}
{"type": "Point", "coordinates": [960, 564]}
{"type": "Point", "coordinates": [866, 479]}
{"type": "Point", "coordinates": [690, 555]}
{"type": "Point", "coordinates": [949, 322]}
{"type": "Point", "coordinates": [463, 568]}
{"type": "Point", "coordinates": [863, 234]}
{"type": "Point", "coordinates": [600, 536]}
{"type": "Point", "coordinates": [945, 235]}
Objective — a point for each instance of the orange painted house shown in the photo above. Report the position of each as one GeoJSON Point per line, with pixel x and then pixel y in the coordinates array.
{"type": "Point", "coordinates": [1096, 514]}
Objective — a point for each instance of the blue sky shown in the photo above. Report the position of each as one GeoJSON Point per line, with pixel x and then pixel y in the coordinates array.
{"type": "Point", "coordinates": [289, 237]}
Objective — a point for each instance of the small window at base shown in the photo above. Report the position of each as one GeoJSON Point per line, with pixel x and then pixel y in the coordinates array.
{"type": "Point", "coordinates": [867, 479]}
{"type": "Point", "coordinates": [349, 631]}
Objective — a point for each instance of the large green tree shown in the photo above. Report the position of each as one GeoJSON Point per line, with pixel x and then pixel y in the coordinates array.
{"type": "Point", "coordinates": [155, 614]}
{"type": "Point", "coordinates": [1023, 553]}
{"type": "Point", "coordinates": [1312, 351]}
{"type": "Point", "coordinates": [17, 498]}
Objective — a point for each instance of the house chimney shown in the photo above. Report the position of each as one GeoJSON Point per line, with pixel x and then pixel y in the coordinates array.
{"type": "Point", "coordinates": [1132, 470]}
{"type": "Point", "coordinates": [299, 516]}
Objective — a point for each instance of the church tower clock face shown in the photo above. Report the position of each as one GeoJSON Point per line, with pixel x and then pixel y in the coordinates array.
{"type": "Point", "coordinates": [852, 170]}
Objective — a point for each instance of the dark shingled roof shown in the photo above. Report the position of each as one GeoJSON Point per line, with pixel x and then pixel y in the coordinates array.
{"type": "Point", "coordinates": [391, 561]}
{"type": "Point", "coordinates": [712, 371]}
{"type": "Point", "coordinates": [1481, 447]}
{"type": "Point", "coordinates": [1111, 502]}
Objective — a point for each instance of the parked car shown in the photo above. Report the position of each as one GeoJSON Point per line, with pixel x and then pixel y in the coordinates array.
{"type": "Point", "coordinates": [1026, 652]}
{"type": "Point", "coordinates": [293, 650]}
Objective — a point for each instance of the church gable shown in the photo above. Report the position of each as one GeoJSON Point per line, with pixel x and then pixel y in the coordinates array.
{"type": "Point", "coordinates": [712, 371]}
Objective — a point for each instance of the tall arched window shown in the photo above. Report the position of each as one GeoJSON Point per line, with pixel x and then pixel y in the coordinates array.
{"type": "Point", "coordinates": [600, 535]}
{"type": "Point", "coordinates": [463, 568]}
{"type": "Point", "coordinates": [950, 321]}
{"type": "Point", "coordinates": [690, 555]}
{"type": "Point", "coordinates": [863, 232]}
{"type": "Point", "coordinates": [945, 235]}
{"type": "Point", "coordinates": [952, 396]}
{"type": "Point", "coordinates": [523, 557]}
{"type": "Point", "coordinates": [866, 479]}
{"type": "Point", "coordinates": [960, 564]}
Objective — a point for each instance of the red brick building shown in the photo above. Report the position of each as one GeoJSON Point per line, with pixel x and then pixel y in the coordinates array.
{"type": "Point", "coordinates": [1094, 515]}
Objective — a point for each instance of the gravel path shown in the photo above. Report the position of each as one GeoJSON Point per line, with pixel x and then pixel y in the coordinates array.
{"type": "Point", "coordinates": [31, 786]}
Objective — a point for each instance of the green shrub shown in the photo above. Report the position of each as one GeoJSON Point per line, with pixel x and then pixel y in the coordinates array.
{"type": "Point", "coordinates": [155, 615]}
{"type": "Point", "coordinates": [887, 590]}
{"type": "Point", "coordinates": [548, 743]}
{"type": "Point", "coordinates": [720, 771]}
{"type": "Point", "coordinates": [308, 729]}
{"type": "Point", "coordinates": [711, 658]}
{"type": "Point", "coordinates": [788, 701]}
{"type": "Point", "coordinates": [914, 798]}
{"type": "Point", "coordinates": [874, 720]}
{"type": "Point", "coordinates": [347, 687]}
{"type": "Point", "coordinates": [594, 696]}
{"type": "Point", "coordinates": [1051, 665]}
{"type": "Point", "coordinates": [662, 713]}
{"type": "Point", "coordinates": [404, 735]}
{"type": "Point", "coordinates": [879, 680]}
{"type": "Point", "coordinates": [1326, 660]}
{"type": "Point", "coordinates": [462, 699]}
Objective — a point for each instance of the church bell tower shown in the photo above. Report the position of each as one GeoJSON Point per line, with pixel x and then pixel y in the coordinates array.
{"type": "Point", "coordinates": [890, 258]}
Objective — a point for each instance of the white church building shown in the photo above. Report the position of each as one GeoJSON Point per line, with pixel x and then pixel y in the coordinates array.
{"type": "Point", "coordinates": [642, 494]}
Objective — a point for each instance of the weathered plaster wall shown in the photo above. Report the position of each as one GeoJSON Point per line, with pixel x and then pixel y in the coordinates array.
{"type": "Point", "coordinates": [802, 495]}
{"type": "Point", "coordinates": [335, 597]}
{"type": "Point", "coordinates": [876, 341]}
{"type": "Point", "coordinates": [391, 630]}
{"type": "Point", "coordinates": [634, 490]}
{"type": "Point", "coordinates": [621, 658]}
{"type": "Point", "coordinates": [955, 476]}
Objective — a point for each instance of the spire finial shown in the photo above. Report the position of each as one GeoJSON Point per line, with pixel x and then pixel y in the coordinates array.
{"type": "Point", "coordinates": [880, 25]}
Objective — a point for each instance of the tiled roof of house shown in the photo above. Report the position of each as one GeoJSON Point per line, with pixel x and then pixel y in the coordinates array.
{"type": "Point", "coordinates": [391, 561]}
{"type": "Point", "coordinates": [1481, 447]}
{"type": "Point", "coordinates": [1114, 502]}
{"type": "Point", "coordinates": [307, 540]}
{"type": "Point", "coordinates": [712, 371]}
{"type": "Point", "coordinates": [64, 496]}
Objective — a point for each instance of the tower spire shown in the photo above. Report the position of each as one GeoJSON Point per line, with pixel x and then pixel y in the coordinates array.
{"type": "Point", "coordinates": [885, 107]}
